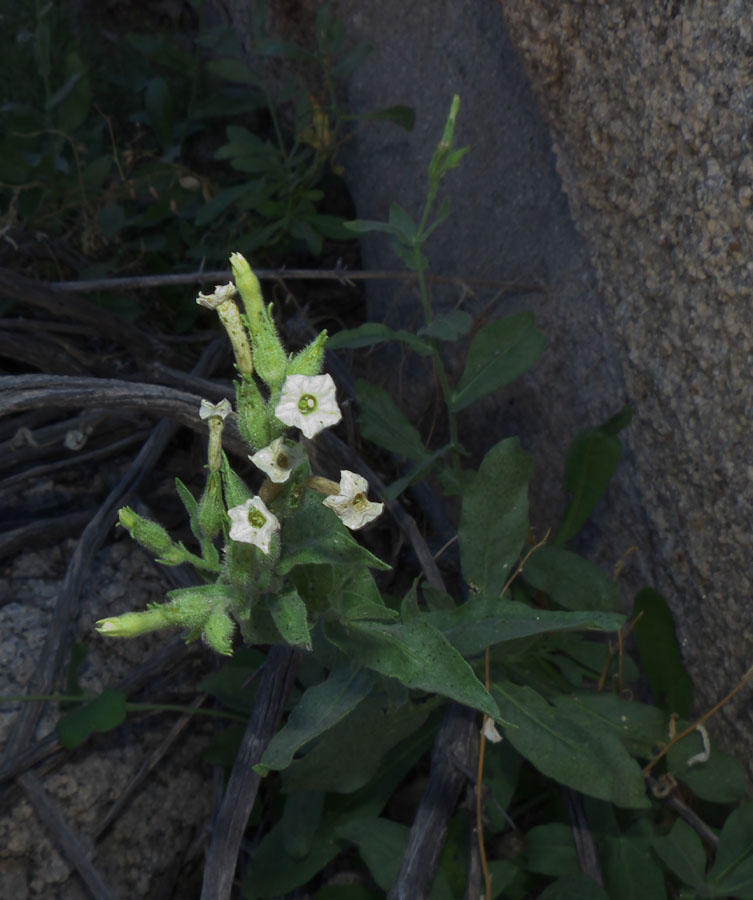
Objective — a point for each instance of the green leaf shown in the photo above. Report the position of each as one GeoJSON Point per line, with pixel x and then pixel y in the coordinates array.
{"type": "Point", "coordinates": [73, 100]}
{"type": "Point", "coordinates": [550, 850]}
{"type": "Point", "coordinates": [494, 520]}
{"type": "Point", "coordinates": [381, 844]}
{"type": "Point", "coordinates": [581, 888]}
{"type": "Point", "coordinates": [563, 748]}
{"type": "Point", "coordinates": [371, 333]}
{"type": "Point", "coordinates": [384, 424]}
{"type": "Point", "coordinates": [500, 352]}
{"type": "Point", "coordinates": [101, 714]}
{"type": "Point", "coordinates": [732, 872]}
{"type": "Point", "coordinates": [570, 580]}
{"type": "Point", "coordinates": [449, 326]}
{"type": "Point", "coordinates": [404, 116]}
{"type": "Point", "coordinates": [417, 655]}
{"type": "Point", "coordinates": [618, 421]}
{"type": "Point", "coordinates": [401, 223]}
{"type": "Point", "coordinates": [275, 872]}
{"type": "Point", "coordinates": [358, 597]}
{"type": "Point", "coordinates": [291, 618]}
{"type": "Point", "coordinates": [352, 752]}
{"type": "Point", "coordinates": [319, 709]}
{"type": "Point", "coordinates": [630, 873]}
{"type": "Point", "coordinates": [590, 463]}
{"type": "Point", "coordinates": [659, 652]}
{"type": "Point", "coordinates": [222, 200]}
{"type": "Point", "coordinates": [233, 70]}
{"type": "Point", "coordinates": [682, 853]}
{"type": "Point", "coordinates": [333, 549]}
{"type": "Point", "coordinates": [639, 726]}
{"type": "Point", "coordinates": [364, 226]}
{"type": "Point", "coordinates": [301, 817]}
{"type": "Point", "coordinates": [720, 779]}
{"type": "Point", "coordinates": [352, 61]}
{"type": "Point", "coordinates": [159, 106]}
{"type": "Point", "coordinates": [484, 621]}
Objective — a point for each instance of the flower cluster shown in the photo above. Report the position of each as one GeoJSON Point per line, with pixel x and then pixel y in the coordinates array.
{"type": "Point", "coordinates": [274, 392]}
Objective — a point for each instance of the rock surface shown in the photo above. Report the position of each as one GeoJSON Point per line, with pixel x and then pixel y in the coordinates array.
{"type": "Point", "coordinates": [151, 838]}
{"type": "Point", "coordinates": [650, 106]}
{"type": "Point", "coordinates": [645, 257]}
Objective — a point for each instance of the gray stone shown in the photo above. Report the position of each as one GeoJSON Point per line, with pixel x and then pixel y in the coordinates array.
{"type": "Point", "coordinates": [650, 105]}
{"type": "Point", "coordinates": [647, 295]}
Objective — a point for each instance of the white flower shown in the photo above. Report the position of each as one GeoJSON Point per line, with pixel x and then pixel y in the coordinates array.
{"type": "Point", "coordinates": [351, 504]}
{"type": "Point", "coordinates": [253, 523]}
{"type": "Point", "coordinates": [491, 733]}
{"type": "Point", "coordinates": [221, 294]}
{"type": "Point", "coordinates": [221, 409]}
{"type": "Point", "coordinates": [279, 459]}
{"type": "Point", "coordinates": [308, 402]}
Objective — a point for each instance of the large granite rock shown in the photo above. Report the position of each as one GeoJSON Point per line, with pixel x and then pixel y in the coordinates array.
{"type": "Point", "coordinates": [644, 259]}
{"type": "Point", "coordinates": [650, 105]}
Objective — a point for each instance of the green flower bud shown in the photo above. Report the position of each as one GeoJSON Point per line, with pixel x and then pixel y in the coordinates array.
{"type": "Point", "coordinates": [268, 352]}
{"type": "Point", "coordinates": [218, 632]}
{"type": "Point", "coordinates": [152, 536]}
{"type": "Point", "coordinates": [310, 360]}
{"type": "Point", "coordinates": [133, 624]}
{"type": "Point", "coordinates": [212, 514]}
{"type": "Point", "coordinates": [253, 418]}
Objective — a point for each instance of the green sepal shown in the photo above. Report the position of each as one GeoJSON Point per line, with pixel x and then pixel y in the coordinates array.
{"type": "Point", "coordinates": [270, 359]}
{"type": "Point", "coordinates": [242, 563]}
{"type": "Point", "coordinates": [310, 360]}
{"type": "Point", "coordinates": [253, 421]}
{"type": "Point", "coordinates": [291, 618]}
{"type": "Point", "coordinates": [211, 512]}
{"type": "Point", "coordinates": [218, 632]}
{"type": "Point", "coordinates": [192, 606]}
{"type": "Point", "coordinates": [236, 492]}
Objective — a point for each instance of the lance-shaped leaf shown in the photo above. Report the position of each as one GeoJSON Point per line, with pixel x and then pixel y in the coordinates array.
{"type": "Point", "coordinates": [494, 520]}
{"type": "Point", "coordinates": [362, 747]}
{"type": "Point", "coordinates": [289, 614]}
{"type": "Point", "coordinates": [339, 550]}
{"type": "Point", "coordinates": [565, 747]}
{"type": "Point", "coordinates": [732, 872]}
{"type": "Point", "coordinates": [682, 853]}
{"type": "Point", "coordinates": [371, 333]}
{"type": "Point", "coordinates": [500, 352]}
{"type": "Point", "coordinates": [659, 652]}
{"type": "Point", "coordinates": [319, 708]}
{"type": "Point", "coordinates": [484, 621]}
{"type": "Point", "coordinates": [384, 424]}
{"type": "Point", "coordinates": [417, 655]}
{"type": "Point", "coordinates": [448, 326]}
{"type": "Point", "coordinates": [570, 580]}
{"type": "Point", "coordinates": [590, 463]}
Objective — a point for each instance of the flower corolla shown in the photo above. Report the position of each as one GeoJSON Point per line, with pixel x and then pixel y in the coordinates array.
{"type": "Point", "coordinates": [351, 503]}
{"type": "Point", "coordinates": [253, 523]}
{"type": "Point", "coordinates": [308, 402]}
{"type": "Point", "coordinates": [279, 459]}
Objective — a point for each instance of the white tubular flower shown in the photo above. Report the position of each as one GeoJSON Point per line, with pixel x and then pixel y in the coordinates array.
{"type": "Point", "coordinates": [221, 294]}
{"type": "Point", "coordinates": [253, 523]}
{"type": "Point", "coordinates": [351, 504]}
{"type": "Point", "coordinates": [279, 459]}
{"type": "Point", "coordinates": [308, 402]}
{"type": "Point", "coordinates": [221, 409]}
